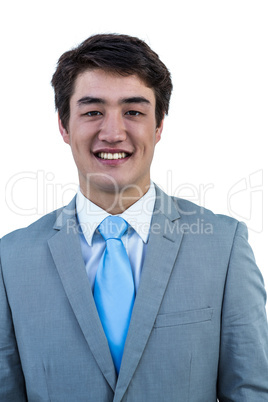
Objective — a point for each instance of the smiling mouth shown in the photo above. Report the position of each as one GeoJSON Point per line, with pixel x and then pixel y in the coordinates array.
{"type": "Point", "coordinates": [112, 156]}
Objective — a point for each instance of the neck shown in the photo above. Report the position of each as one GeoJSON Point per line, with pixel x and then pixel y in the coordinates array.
{"type": "Point", "coordinates": [116, 203]}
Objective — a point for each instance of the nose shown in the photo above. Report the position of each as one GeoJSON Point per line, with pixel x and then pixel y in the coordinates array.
{"type": "Point", "coordinates": [113, 129]}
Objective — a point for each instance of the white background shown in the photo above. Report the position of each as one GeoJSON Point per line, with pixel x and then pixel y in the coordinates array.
{"type": "Point", "coordinates": [213, 150]}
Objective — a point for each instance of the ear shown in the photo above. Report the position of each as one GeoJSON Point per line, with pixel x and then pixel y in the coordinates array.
{"type": "Point", "coordinates": [64, 133]}
{"type": "Point", "coordinates": [158, 132]}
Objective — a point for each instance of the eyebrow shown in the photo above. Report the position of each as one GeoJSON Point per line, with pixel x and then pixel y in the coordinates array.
{"type": "Point", "coordinates": [88, 100]}
{"type": "Point", "coordinates": [135, 99]}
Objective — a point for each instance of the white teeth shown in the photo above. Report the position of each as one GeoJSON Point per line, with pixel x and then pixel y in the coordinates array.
{"type": "Point", "coordinates": [105, 155]}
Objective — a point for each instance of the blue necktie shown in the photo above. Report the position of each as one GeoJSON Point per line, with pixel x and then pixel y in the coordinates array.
{"type": "Point", "coordinates": [114, 291]}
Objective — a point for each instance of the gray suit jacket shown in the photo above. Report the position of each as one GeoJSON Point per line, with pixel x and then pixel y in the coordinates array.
{"type": "Point", "coordinates": [198, 330]}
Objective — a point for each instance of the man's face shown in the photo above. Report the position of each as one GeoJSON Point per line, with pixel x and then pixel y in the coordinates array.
{"type": "Point", "coordinates": [112, 132]}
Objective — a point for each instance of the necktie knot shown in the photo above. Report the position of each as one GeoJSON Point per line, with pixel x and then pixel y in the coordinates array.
{"type": "Point", "coordinates": [113, 227]}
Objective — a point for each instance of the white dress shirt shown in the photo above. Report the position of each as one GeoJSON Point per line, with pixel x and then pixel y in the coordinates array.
{"type": "Point", "coordinates": [135, 240]}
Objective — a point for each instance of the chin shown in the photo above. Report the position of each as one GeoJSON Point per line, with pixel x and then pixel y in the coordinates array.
{"type": "Point", "coordinates": [115, 186]}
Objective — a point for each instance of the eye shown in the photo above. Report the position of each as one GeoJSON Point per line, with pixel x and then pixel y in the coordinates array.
{"type": "Point", "coordinates": [133, 113]}
{"type": "Point", "coordinates": [93, 113]}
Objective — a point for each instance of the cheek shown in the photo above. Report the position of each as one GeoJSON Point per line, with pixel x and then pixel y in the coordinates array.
{"type": "Point", "coordinates": [81, 141]}
{"type": "Point", "coordinates": [146, 138]}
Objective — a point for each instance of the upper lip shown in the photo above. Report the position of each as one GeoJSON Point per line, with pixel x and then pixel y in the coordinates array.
{"type": "Point", "coordinates": [111, 151]}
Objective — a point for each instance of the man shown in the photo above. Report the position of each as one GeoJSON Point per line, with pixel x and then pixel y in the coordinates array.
{"type": "Point", "coordinates": [193, 317]}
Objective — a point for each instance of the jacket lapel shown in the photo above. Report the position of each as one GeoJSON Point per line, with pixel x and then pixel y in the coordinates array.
{"type": "Point", "coordinates": [66, 252]}
{"type": "Point", "coordinates": [164, 243]}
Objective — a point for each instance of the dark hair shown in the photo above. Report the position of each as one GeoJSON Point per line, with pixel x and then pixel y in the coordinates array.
{"type": "Point", "coordinates": [122, 54]}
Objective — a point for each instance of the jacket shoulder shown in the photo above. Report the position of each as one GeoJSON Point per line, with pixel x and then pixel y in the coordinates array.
{"type": "Point", "coordinates": [192, 212]}
{"type": "Point", "coordinates": [40, 229]}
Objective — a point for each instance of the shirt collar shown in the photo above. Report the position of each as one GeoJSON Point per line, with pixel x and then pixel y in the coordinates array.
{"type": "Point", "coordinates": [138, 215]}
